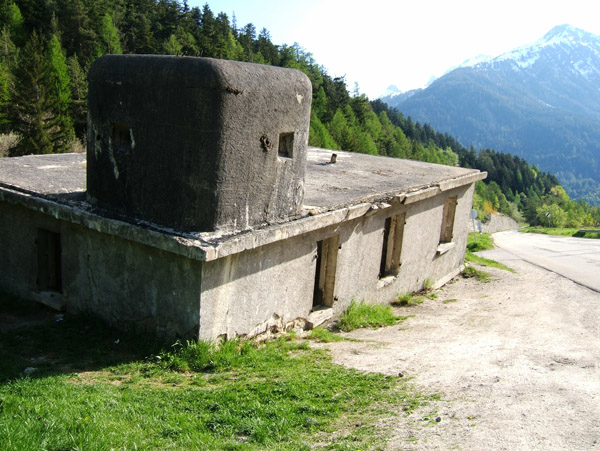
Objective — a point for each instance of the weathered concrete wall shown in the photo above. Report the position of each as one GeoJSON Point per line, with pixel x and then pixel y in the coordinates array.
{"type": "Point", "coordinates": [197, 144]}
{"type": "Point", "coordinates": [273, 285]}
{"type": "Point", "coordinates": [496, 223]}
{"type": "Point", "coordinates": [127, 284]}
{"type": "Point", "coordinates": [249, 292]}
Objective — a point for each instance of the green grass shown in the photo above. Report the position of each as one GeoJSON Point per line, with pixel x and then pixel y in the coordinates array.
{"type": "Point", "coordinates": [427, 285]}
{"type": "Point", "coordinates": [479, 242]}
{"type": "Point", "coordinates": [480, 275]}
{"type": "Point", "coordinates": [570, 231]}
{"type": "Point", "coordinates": [482, 242]}
{"type": "Point", "coordinates": [324, 335]}
{"type": "Point", "coordinates": [550, 230]}
{"type": "Point", "coordinates": [449, 301]}
{"type": "Point", "coordinates": [360, 314]}
{"type": "Point", "coordinates": [471, 257]}
{"type": "Point", "coordinates": [94, 393]}
{"type": "Point", "coordinates": [408, 300]}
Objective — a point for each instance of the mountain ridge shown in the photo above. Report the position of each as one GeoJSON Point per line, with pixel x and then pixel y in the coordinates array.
{"type": "Point", "coordinates": [540, 101]}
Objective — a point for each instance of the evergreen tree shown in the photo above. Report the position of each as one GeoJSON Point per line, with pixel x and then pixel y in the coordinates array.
{"type": "Point", "coordinates": [172, 46]}
{"type": "Point", "coordinates": [8, 58]}
{"type": "Point", "coordinates": [4, 97]}
{"type": "Point", "coordinates": [61, 91]}
{"type": "Point", "coordinates": [13, 20]}
{"type": "Point", "coordinates": [79, 88]}
{"type": "Point", "coordinates": [111, 42]}
{"type": "Point", "coordinates": [34, 106]}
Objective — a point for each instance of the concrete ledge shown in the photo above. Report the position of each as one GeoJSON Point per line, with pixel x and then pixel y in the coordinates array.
{"type": "Point", "coordinates": [416, 196]}
{"type": "Point", "coordinates": [51, 299]}
{"type": "Point", "coordinates": [385, 281]}
{"type": "Point", "coordinates": [318, 317]}
{"type": "Point", "coordinates": [463, 180]}
{"type": "Point", "coordinates": [445, 247]}
{"type": "Point", "coordinates": [444, 280]}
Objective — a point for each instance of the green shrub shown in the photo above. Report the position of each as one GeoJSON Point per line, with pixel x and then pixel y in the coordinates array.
{"type": "Point", "coordinates": [479, 242]}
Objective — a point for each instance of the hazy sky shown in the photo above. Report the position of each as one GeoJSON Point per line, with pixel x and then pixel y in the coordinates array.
{"type": "Point", "coordinates": [376, 43]}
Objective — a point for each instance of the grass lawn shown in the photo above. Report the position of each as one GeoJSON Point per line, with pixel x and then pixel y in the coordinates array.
{"type": "Point", "coordinates": [92, 388]}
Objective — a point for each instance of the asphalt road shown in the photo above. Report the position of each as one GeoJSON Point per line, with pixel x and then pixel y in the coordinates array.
{"type": "Point", "coordinates": [577, 259]}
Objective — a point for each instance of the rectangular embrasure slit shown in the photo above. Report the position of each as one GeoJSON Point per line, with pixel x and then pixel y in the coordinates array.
{"type": "Point", "coordinates": [286, 145]}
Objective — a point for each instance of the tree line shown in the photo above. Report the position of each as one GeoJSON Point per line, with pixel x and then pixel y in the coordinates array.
{"type": "Point", "coordinates": [47, 47]}
{"type": "Point", "coordinates": [513, 186]}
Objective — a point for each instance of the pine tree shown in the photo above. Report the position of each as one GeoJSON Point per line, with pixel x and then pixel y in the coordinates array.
{"type": "Point", "coordinates": [13, 20]}
{"type": "Point", "coordinates": [111, 42]}
{"type": "Point", "coordinates": [60, 89]}
{"type": "Point", "coordinates": [79, 89]}
{"type": "Point", "coordinates": [8, 58]}
{"type": "Point", "coordinates": [4, 97]}
{"type": "Point", "coordinates": [34, 113]}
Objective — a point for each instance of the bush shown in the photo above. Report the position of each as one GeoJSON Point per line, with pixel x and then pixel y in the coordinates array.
{"type": "Point", "coordinates": [7, 142]}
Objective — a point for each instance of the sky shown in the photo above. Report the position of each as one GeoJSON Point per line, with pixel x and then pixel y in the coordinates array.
{"type": "Point", "coordinates": [377, 43]}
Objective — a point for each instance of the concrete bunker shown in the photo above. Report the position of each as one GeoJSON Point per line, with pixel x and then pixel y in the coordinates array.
{"type": "Point", "coordinates": [195, 144]}
{"type": "Point", "coordinates": [199, 211]}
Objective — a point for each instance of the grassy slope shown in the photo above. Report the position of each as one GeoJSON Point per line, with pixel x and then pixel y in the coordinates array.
{"type": "Point", "coordinates": [94, 388]}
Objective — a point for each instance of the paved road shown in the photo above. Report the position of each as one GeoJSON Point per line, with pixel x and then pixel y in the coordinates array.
{"type": "Point", "coordinates": [577, 259]}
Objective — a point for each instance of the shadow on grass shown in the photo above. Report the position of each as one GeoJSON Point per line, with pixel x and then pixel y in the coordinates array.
{"type": "Point", "coordinates": [38, 341]}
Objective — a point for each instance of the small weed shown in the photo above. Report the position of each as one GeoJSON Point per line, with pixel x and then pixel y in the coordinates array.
{"type": "Point", "coordinates": [471, 257]}
{"type": "Point", "coordinates": [360, 314]}
{"type": "Point", "coordinates": [427, 285]}
{"type": "Point", "coordinates": [431, 295]}
{"type": "Point", "coordinates": [449, 301]}
{"type": "Point", "coordinates": [471, 271]}
{"type": "Point", "coordinates": [408, 300]}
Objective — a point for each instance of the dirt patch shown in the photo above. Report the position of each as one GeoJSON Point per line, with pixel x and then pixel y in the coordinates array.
{"type": "Point", "coordinates": [516, 362]}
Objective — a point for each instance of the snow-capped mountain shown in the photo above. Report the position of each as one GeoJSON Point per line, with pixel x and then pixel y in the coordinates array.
{"type": "Point", "coordinates": [392, 90]}
{"type": "Point", "coordinates": [540, 101]}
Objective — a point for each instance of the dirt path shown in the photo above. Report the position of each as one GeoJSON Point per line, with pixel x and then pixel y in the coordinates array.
{"type": "Point", "coordinates": [516, 362]}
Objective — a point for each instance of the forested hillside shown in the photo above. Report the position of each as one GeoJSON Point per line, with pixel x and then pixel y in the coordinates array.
{"type": "Point", "coordinates": [540, 101]}
{"type": "Point", "coordinates": [47, 47]}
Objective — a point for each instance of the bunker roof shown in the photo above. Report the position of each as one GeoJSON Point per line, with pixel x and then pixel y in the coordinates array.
{"type": "Point", "coordinates": [349, 188]}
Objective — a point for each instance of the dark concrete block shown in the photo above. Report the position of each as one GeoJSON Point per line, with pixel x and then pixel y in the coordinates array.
{"type": "Point", "coordinates": [196, 144]}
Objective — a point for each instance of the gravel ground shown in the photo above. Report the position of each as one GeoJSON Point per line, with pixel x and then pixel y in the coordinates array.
{"type": "Point", "coordinates": [516, 362]}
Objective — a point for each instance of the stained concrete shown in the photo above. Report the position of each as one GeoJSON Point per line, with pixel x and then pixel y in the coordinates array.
{"type": "Point", "coordinates": [144, 276]}
{"type": "Point", "coordinates": [196, 144]}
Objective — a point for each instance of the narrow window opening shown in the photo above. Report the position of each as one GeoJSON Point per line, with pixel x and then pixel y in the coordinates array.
{"type": "Point", "coordinates": [120, 136]}
{"type": "Point", "coordinates": [448, 219]}
{"type": "Point", "coordinates": [49, 261]}
{"type": "Point", "coordinates": [327, 253]}
{"type": "Point", "coordinates": [392, 245]}
{"type": "Point", "coordinates": [286, 145]}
